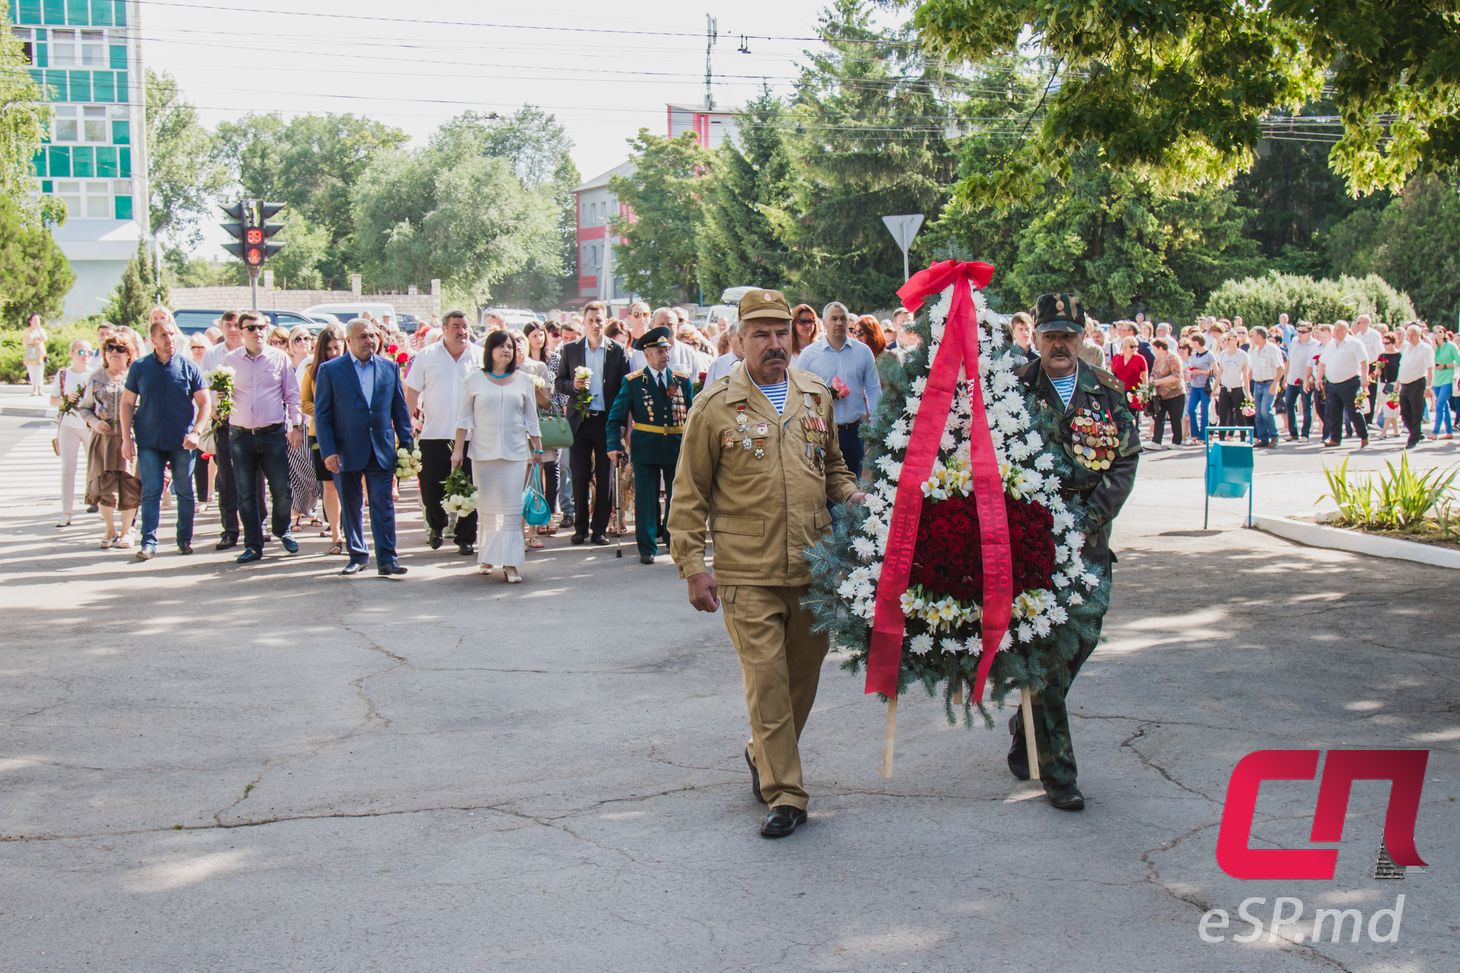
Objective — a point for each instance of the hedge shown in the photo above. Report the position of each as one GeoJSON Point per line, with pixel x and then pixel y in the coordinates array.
{"type": "Point", "coordinates": [1259, 300]}
{"type": "Point", "coordinates": [58, 349]}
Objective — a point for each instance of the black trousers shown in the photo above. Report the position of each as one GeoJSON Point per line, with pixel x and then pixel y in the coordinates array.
{"type": "Point", "coordinates": [256, 454]}
{"type": "Point", "coordinates": [202, 478]}
{"type": "Point", "coordinates": [228, 486]}
{"type": "Point", "coordinates": [1339, 405]}
{"type": "Point", "coordinates": [589, 458]}
{"type": "Point", "coordinates": [1412, 409]}
{"type": "Point", "coordinates": [1173, 407]}
{"type": "Point", "coordinates": [1229, 408]}
{"type": "Point", "coordinates": [435, 468]}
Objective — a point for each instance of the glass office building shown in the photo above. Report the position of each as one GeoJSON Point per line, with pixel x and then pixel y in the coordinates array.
{"type": "Point", "coordinates": [86, 55]}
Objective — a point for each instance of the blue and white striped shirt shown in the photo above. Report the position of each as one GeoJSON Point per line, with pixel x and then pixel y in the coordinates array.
{"type": "Point", "coordinates": [1065, 387]}
{"type": "Point", "coordinates": [777, 395]}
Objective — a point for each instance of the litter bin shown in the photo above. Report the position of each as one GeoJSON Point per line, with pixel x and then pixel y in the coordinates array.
{"type": "Point", "coordinates": [1229, 468]}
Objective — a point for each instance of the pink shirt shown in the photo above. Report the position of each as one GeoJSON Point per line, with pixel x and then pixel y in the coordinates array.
{"type": "Point", "coordinates": [265, 390]}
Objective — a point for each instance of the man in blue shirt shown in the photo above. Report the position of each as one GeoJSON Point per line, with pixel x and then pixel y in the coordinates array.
{"type": "Point", "coordinates": [838, 357]}
{"type": "Point", "coordinates": [166, 402]}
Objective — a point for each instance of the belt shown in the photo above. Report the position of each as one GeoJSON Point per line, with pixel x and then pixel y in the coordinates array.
{"type": "Point", "coordinates": [661, 430]}
{"type": "Point", "coordinates": [849, 425]}
{"type": "Point", "coordinates": [593, 412]}
{"type": "Point", "coordinates": [260, 429]}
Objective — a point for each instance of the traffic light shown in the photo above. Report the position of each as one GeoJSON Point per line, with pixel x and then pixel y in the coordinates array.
{"type": "Point", "coordinates": [252, 229]}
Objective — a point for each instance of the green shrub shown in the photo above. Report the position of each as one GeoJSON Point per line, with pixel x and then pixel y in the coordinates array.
{"type": "Point", "coordinates": [58, 348]}
{"type": "Point", "coordinates": [1259, 300]}
{"type": "Point", "coordinates": [1400, 500]}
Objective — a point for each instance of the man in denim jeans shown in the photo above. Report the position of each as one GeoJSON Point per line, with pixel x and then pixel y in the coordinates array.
{"type": "Point", "coordinates": [265, 422]}
{"type": "Point", "coordinates": [166, 402]}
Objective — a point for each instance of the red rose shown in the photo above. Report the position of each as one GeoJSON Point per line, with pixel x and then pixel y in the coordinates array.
{"type": "Point", "coordinates": [402, 358]}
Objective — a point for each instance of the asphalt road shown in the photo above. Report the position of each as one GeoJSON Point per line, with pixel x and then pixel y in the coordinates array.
{"type": "Point", "coordinates": [207, 767]}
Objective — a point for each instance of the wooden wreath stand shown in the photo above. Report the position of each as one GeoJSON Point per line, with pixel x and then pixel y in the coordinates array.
{"type": "Point", "coordinates": [1026, 708]}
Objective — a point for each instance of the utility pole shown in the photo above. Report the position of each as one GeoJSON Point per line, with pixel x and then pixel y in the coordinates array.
{"type": "Point", "coordinates": [712, 34]}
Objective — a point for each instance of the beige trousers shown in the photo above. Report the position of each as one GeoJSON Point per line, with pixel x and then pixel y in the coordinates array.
{"type": "Point", "coordinates": [780, 661]}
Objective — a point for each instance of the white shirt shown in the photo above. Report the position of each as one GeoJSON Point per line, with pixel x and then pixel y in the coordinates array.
{"type": "Point", "coordinates": [1415, 361]}
{"type": "Point", "coordinates": [74, 384]}
{"type": "Point", "coordinates": [721, 367]}
{"type": "Point", "coordinates": [1229, 368]}
{"type": "Point", "coordinates": [214, 356]}
{"type": "Point", "coordinates": [1267, 362]}
{"type": "Point", "coordinates": [438, 377]}
{"type": "Point", "coordinates": [1373, 344]}
{"type": "Point", "coordinates": [498, 418]}
{"type": "Point", "coordinates": [686, 358]}
{"type": "Point", "coordinates": [1304, 350]}
{"type": "Point", "coordinates": [1343, 360]}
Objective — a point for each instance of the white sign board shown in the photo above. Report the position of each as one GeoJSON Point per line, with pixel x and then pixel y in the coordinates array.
{"type": "Point", "coordinates": [903, 229]}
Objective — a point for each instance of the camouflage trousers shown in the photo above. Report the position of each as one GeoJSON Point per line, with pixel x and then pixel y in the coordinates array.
{"type": "Point", "coordinates": [1051, 717]}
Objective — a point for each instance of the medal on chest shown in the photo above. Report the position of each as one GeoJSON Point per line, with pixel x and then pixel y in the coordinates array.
{"type": "Point", "coordinates": [1092, 438]}
{"type": "Point", "coordinates": [816, 430]}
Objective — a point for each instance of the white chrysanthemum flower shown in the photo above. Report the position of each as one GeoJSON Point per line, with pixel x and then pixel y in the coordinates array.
{"type": "Point", "coordinates": [897, 440]}
{"type": "Point", "coordinates": [1089, 579]}
{"type": "Point", "coordinates": [1043, 461]}
{"type": "Point", "coordinates": [920, 644]}
{"type": "Point", "coordinates": [866, 550]}
{"type": "Point", "coordinates": [1076, 598]}
{"type": "Point", "coordinates": [1061, 554]}
{"type": "Point", "coordinates": [1063, 519]}
{"type": "Point", "coordinates": [1041, 626]}
{"type": "Point", "coordinates": [1025, 632]}
{"type": "Point", "coordinates": [1058, 615]}
{"type": "Point", "coordinates": [1005, 643]}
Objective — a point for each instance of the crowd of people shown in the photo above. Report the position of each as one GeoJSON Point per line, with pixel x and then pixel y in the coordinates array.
{"type": "Point", "coordinates": [289, 430]}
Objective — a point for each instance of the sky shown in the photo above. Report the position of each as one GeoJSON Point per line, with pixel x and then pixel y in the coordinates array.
{"type": "Point", "coordinates": [605, 70]}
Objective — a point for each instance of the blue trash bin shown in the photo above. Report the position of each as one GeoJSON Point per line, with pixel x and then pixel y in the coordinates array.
{"type": "Point", "coordinates": [1229, 468]}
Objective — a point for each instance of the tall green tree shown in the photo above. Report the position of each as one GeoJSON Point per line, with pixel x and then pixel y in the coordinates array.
{"type": "Point", "coordinates": [25, 118]}
{"type": "Point", "coordinates": [538, 148]}
{"type": "Point", "coordinates": [312, 164]}
{"type": "Point", "coordinates": [664, 194]}
{"type": "Point", "coordinates": [183, 170]}
{"type": "Point", "coordinates": [467, 220]}
{"type": "Point", "coordinates": [136, 293]}
{"type": "Point", "coordinates": [736, 242]}
{"type": "Point", "coordinates": [868, 136]}
{"type": "Point", "coordinates": [1411, 243]}
{"type": "Point", "coordinates": [1179, 89]}
{"type": "Point", "coordinates": [35, 275]}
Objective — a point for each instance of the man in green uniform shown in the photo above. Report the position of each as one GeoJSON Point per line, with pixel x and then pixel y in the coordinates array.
{"type": "Point", "coordinates": [657, 399]}
{"type": "Point", "coordinates": [1084, 408]}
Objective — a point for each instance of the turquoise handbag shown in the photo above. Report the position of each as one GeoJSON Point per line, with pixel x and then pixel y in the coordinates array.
{"type": "Point", "coordinates": [535, 508]}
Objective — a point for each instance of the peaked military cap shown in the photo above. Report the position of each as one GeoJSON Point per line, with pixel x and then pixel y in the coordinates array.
{"type": "Point", "coordinates": [1059, 312]}
{"type": "Point", "coordinates": [655, 338]}
{"type": "Point", "coordinates": [764, 304]}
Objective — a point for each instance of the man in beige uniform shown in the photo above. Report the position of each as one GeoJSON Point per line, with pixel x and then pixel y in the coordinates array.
{"type": "Point", "coordinates": [759, 462]}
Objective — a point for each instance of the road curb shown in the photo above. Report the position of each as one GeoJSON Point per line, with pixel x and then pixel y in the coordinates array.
{"type": "Point", "coordinates": [1357, 542]}
{"type": "Point", "coordinates": [28, 412]}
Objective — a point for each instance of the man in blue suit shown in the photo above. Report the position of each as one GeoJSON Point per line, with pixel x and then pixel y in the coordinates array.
{"type": "Point", "coordinates": [360, 413]}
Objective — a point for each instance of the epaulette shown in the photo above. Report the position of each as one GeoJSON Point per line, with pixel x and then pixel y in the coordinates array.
{"type": "Point", "coordinates": [815, 378]}
{"type": "Point", "coordinates": [714, 388]}
{"type": "Point", "coordinates": [633, 375]}
{"type": "Point", "coordinates": [1107, 379]}
{"type": "Point", "coordinates": [678, 373]}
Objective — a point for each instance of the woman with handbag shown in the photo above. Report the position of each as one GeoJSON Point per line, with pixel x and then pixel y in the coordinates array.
{"type": "Point", "coordinates": [111, 478]}
{"type": "Point", "coordinates": [72, 435]}
{"type": "Point", "coordinates": [498, 412]}
{"type": "Point", "coordinates": [34, 342]}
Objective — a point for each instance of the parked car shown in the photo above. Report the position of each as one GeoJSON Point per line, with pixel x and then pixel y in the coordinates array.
{"type": "Point", "coordinates": [515, 317]}
{"type": "Point", "coordinates": [193, 320]}
{"type": "Point", "coordinates": [347, 312]}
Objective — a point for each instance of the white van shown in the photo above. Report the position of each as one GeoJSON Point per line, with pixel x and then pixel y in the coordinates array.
{"type": "Point", "coordinates": [345, 312]}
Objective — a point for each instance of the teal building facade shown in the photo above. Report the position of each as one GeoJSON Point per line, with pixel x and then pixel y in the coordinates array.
{"type": "Point", "coordinates": [86, 56]}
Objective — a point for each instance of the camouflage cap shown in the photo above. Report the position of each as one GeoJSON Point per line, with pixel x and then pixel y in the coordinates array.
{"type": "Point", "coordinates": [1059, 312]}
{"type": "Point", "coordinates": [764, 304]}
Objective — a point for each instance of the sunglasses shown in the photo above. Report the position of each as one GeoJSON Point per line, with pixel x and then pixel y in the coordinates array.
{"type": "Point", "coordinates": [256, 327]}
{"type": "Point", "coordinates": [278, 342]}
{"type": "Point", "coordinates": [300, 337]}
{"type": "Point", "coordinates": [120, 349]}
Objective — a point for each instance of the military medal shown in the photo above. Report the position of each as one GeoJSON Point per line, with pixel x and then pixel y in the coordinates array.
{"type": "Point", "coordinates": [1093, 439]}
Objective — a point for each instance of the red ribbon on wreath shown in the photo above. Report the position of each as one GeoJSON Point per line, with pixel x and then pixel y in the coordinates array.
{"type": "Point", "coordinates": [959, 348]}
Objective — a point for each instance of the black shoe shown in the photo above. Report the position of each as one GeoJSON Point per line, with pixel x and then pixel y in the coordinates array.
{"type": "Point", "coordinates": [185, 548]}
{"type": "Point", "coordinates": [268, 537]}
{"type": "Point", "coordinates": [92, 508]}
{"type": "Point", "coordinates": [1018, 752]}
{"type": "Point", "coordinates": [352, 568]}
{"type": "Point", "coordinates": [225, 542]}
{"type": "Point", "coordinates": [387, 570]}
{"type": "Point", "coordinates": [579, 538]}
{"type": "Point", "coordinates": [1066, 797]}
{"type": "Point", "coordinates": [433, 540]}
{"type": "Point", "coordinates": [754, 777]}
{"type": "Point", "coordinates": [466, 548]}
{"type": "Point", "coordinates": [645, 559]}
{"type": "Point", "coordinates": [600, 540]}
{"type": "Point", "coordinates": [250, 554]}
{"type": "Point", "coordinates": [782, 820]}
{"type": "Point", "coordinates": [290, 544]}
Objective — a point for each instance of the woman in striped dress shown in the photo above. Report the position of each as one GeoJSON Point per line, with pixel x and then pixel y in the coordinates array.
{"type": "Point", "coordinates": [303, 484]}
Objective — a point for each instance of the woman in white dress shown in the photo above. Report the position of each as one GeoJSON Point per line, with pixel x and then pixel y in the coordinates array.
{"type": "Point", "coordinates": [498, 414]}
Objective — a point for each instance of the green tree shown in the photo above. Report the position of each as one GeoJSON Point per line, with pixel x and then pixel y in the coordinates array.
{"type": "Point", "coordinates": [867, 133]}
{"type": "Point", "coordinates": [312, 164]}
{"type": "Point", "coordinates": [1411, 243]}
{"type": "Point", "coordinates": [136, 293]}
{"type": "Point", "coordinates": [664, 194]}
{"type": "Point", "coordinates": [34, 274]}
{"type": "Point", "coordinates": [184, 174]}
{"type": "Point", "coordinates": [25, 118]}
{"type": "Point", "coordinates": [736, 242]}
{"type": "Point", "coordinates": [468, 221]}
{"type": "Point", "coordinates": [1262, 299]}
{"type": "Point", "coordinates": [1180, 89]}
{"type": "Point", "coordinates": [538, 148]}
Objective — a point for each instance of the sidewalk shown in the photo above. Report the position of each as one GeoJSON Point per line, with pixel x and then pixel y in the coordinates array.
{"type": "Point", "coordinates": [16, 400]}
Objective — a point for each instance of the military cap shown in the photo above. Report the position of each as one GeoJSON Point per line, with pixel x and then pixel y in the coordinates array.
{"type": "Point", "coordinates": [655, 338]}
{"type": "Point", "coordinates": [764, 304]}
{"type": "Point", "coordinates": [1059, 312]}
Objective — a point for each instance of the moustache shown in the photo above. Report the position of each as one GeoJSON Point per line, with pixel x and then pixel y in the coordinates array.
{"type": "Point", "coordinates": [773, 355]}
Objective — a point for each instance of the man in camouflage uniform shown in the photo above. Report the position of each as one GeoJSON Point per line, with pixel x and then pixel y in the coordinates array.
{"type": "Point", "coordinates": [1087, 408]}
